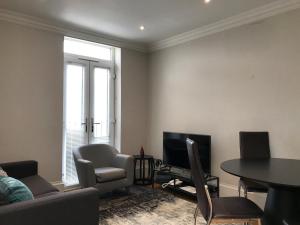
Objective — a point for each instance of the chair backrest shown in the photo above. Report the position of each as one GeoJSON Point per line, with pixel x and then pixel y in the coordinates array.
{"type": "Point", "coordinates": [101, 155]}
{"type": "Point", "coordinates": [198, 178]}
{"type": "Point", "coordinates": [254, 145]}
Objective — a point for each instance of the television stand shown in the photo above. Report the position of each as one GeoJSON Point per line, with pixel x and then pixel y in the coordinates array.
{"type": "Point", "coordinates": [183, 184]}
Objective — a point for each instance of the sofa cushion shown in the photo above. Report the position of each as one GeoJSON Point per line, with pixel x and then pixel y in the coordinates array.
{"type": "Point", "coordinates": [38, 185]}
{"type": "Point", "coordinates": [13, 190]}
{"type": "Point", "coordinates": [106, 174]}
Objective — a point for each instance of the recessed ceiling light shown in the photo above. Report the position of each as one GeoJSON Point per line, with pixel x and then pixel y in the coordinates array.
{"type": "Point", "coordinates": [207, 1]}
{"type": "Point", "coordinates": [142, 27]}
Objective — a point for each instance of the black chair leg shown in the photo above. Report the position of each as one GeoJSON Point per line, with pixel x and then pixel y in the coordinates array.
{"type": "Point", "coordinates": [239, 188]}
{"type": "Point", "coordinates": [245, 193]}
{"type": "Point", "coordinates": [196, 215]}
{"type": "Point", "coordinates": [244, 189]}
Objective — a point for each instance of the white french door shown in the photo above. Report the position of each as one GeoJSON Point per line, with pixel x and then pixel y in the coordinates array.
{"type": "Point", "coordinates": [101, 104]}
{"type": "Point", "coordinates": [88, 109]}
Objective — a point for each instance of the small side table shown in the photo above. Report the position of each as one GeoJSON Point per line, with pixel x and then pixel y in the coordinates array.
{"type": "Point", "coordinates": [146, 174]}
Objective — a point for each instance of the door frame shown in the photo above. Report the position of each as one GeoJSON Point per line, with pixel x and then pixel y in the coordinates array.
{"type": "Point", "coordinates": [90, 63]}
{"type": "Point", "coordinates": [111, 104]}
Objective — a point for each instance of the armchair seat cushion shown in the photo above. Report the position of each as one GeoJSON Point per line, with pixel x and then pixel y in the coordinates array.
{"type": "Point", "coordinates": [38, 185]}
{"type": "Point", "coordinates": [106, 174]}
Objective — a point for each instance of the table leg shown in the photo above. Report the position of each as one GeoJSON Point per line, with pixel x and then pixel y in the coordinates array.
{"type": "Point", "coordinates": [282, 204]}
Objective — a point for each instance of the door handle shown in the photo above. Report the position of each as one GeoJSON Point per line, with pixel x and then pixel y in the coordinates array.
{"type": "Point", "coordinates": [92, 124]}
{"type": "Point", "coordinates": [86, 124]}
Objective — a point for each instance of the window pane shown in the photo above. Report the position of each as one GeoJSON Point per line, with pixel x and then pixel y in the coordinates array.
{"type": "Point", "coordinates": [74, 131]}
{"type": "Point", "coordinates": [101, 105]}
{"type": "Point", "coordinates": [86, 48]}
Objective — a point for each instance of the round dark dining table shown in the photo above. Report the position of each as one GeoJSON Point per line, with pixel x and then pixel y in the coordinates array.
{"type": "Point", "coordinates": [282, 176]}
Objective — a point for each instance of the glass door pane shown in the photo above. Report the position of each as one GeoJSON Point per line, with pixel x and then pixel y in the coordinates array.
{"type": "Point", "coordinates": [100, 106]}
{"type": "Point", "coordinates": [75, 117]}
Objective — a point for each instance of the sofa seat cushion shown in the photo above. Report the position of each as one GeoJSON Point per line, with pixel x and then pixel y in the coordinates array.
{"type": "Point", "coordinates": [106, 174]}
{"type": "Point", "coordinates": [38, 185]}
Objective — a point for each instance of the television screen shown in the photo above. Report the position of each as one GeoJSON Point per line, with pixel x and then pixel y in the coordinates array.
{"type": "Point", "coordinates": [175, 151]}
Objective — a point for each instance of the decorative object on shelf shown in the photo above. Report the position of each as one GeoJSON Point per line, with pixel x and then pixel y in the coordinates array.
{"type": "Point", "coordinates": [144, 174]}
{"type": "Point", "coordinates": [142, 152]}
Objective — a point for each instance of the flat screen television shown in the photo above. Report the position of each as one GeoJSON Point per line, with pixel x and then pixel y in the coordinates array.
{"type": "Point", "coordinates": [175, 152]}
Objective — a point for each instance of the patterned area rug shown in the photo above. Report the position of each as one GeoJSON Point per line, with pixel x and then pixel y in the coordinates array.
{"type": "Point", "coordinates": [147, 207]}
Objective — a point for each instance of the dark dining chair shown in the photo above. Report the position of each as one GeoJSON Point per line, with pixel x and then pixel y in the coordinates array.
{"type": "Point", "coordinates": [253, 145]}
{"type": "Point", "coordinates": [219, 210]}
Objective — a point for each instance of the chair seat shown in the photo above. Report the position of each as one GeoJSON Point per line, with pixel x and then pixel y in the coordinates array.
{"type": "Point", "coordinates": [253, 186]}
{"type": "Point", "coordinates": [106, 174]}
{"type": "Point", "coordinates": [235, 208]}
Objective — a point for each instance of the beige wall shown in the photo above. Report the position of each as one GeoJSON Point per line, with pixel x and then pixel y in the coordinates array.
{"type": "Point", "coordinates": [243, 79]}
{"type": "Point", "coordinates": [133, 100]}
{"type": "Point", "coordinates": [31, 88]}
{"type": "Point", "coordinates": [246, 78]}
{"type": "Point", "coordinates": [31, 98]}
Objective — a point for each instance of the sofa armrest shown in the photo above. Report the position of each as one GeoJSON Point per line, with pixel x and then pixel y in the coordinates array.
{"type": "Point", "coordinates": [125, 162]}
{"type": "Point", "coordinates": [86, 173]}
{"type": "Point", "coordinates": [20, 169]}
{"type": "Point", "coordinates": [72, 208]}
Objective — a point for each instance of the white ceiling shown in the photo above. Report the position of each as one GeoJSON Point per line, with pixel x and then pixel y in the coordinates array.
{"type": "Point", "coordinates": [122, 18]}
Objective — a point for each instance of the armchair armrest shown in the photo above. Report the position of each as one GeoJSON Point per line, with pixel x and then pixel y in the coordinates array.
{"type": "Point", "coordinates": [72, 208]}
{"type": "Point", "coordinates": [86, 173]}
{"type": "Point", "coordinates": [125, 162]}
{"type": "Point", "coordinates": [20, 169]}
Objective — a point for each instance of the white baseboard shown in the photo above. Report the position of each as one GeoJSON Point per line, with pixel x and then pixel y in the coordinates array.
{"type": "Point", "coordinates": [232, 190]}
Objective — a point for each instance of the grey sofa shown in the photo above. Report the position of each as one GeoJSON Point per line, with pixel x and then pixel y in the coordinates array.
{"type": "Point", "coordinates": [50, 207]}
{"type": "Point", "coordinates": [101, 166]}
